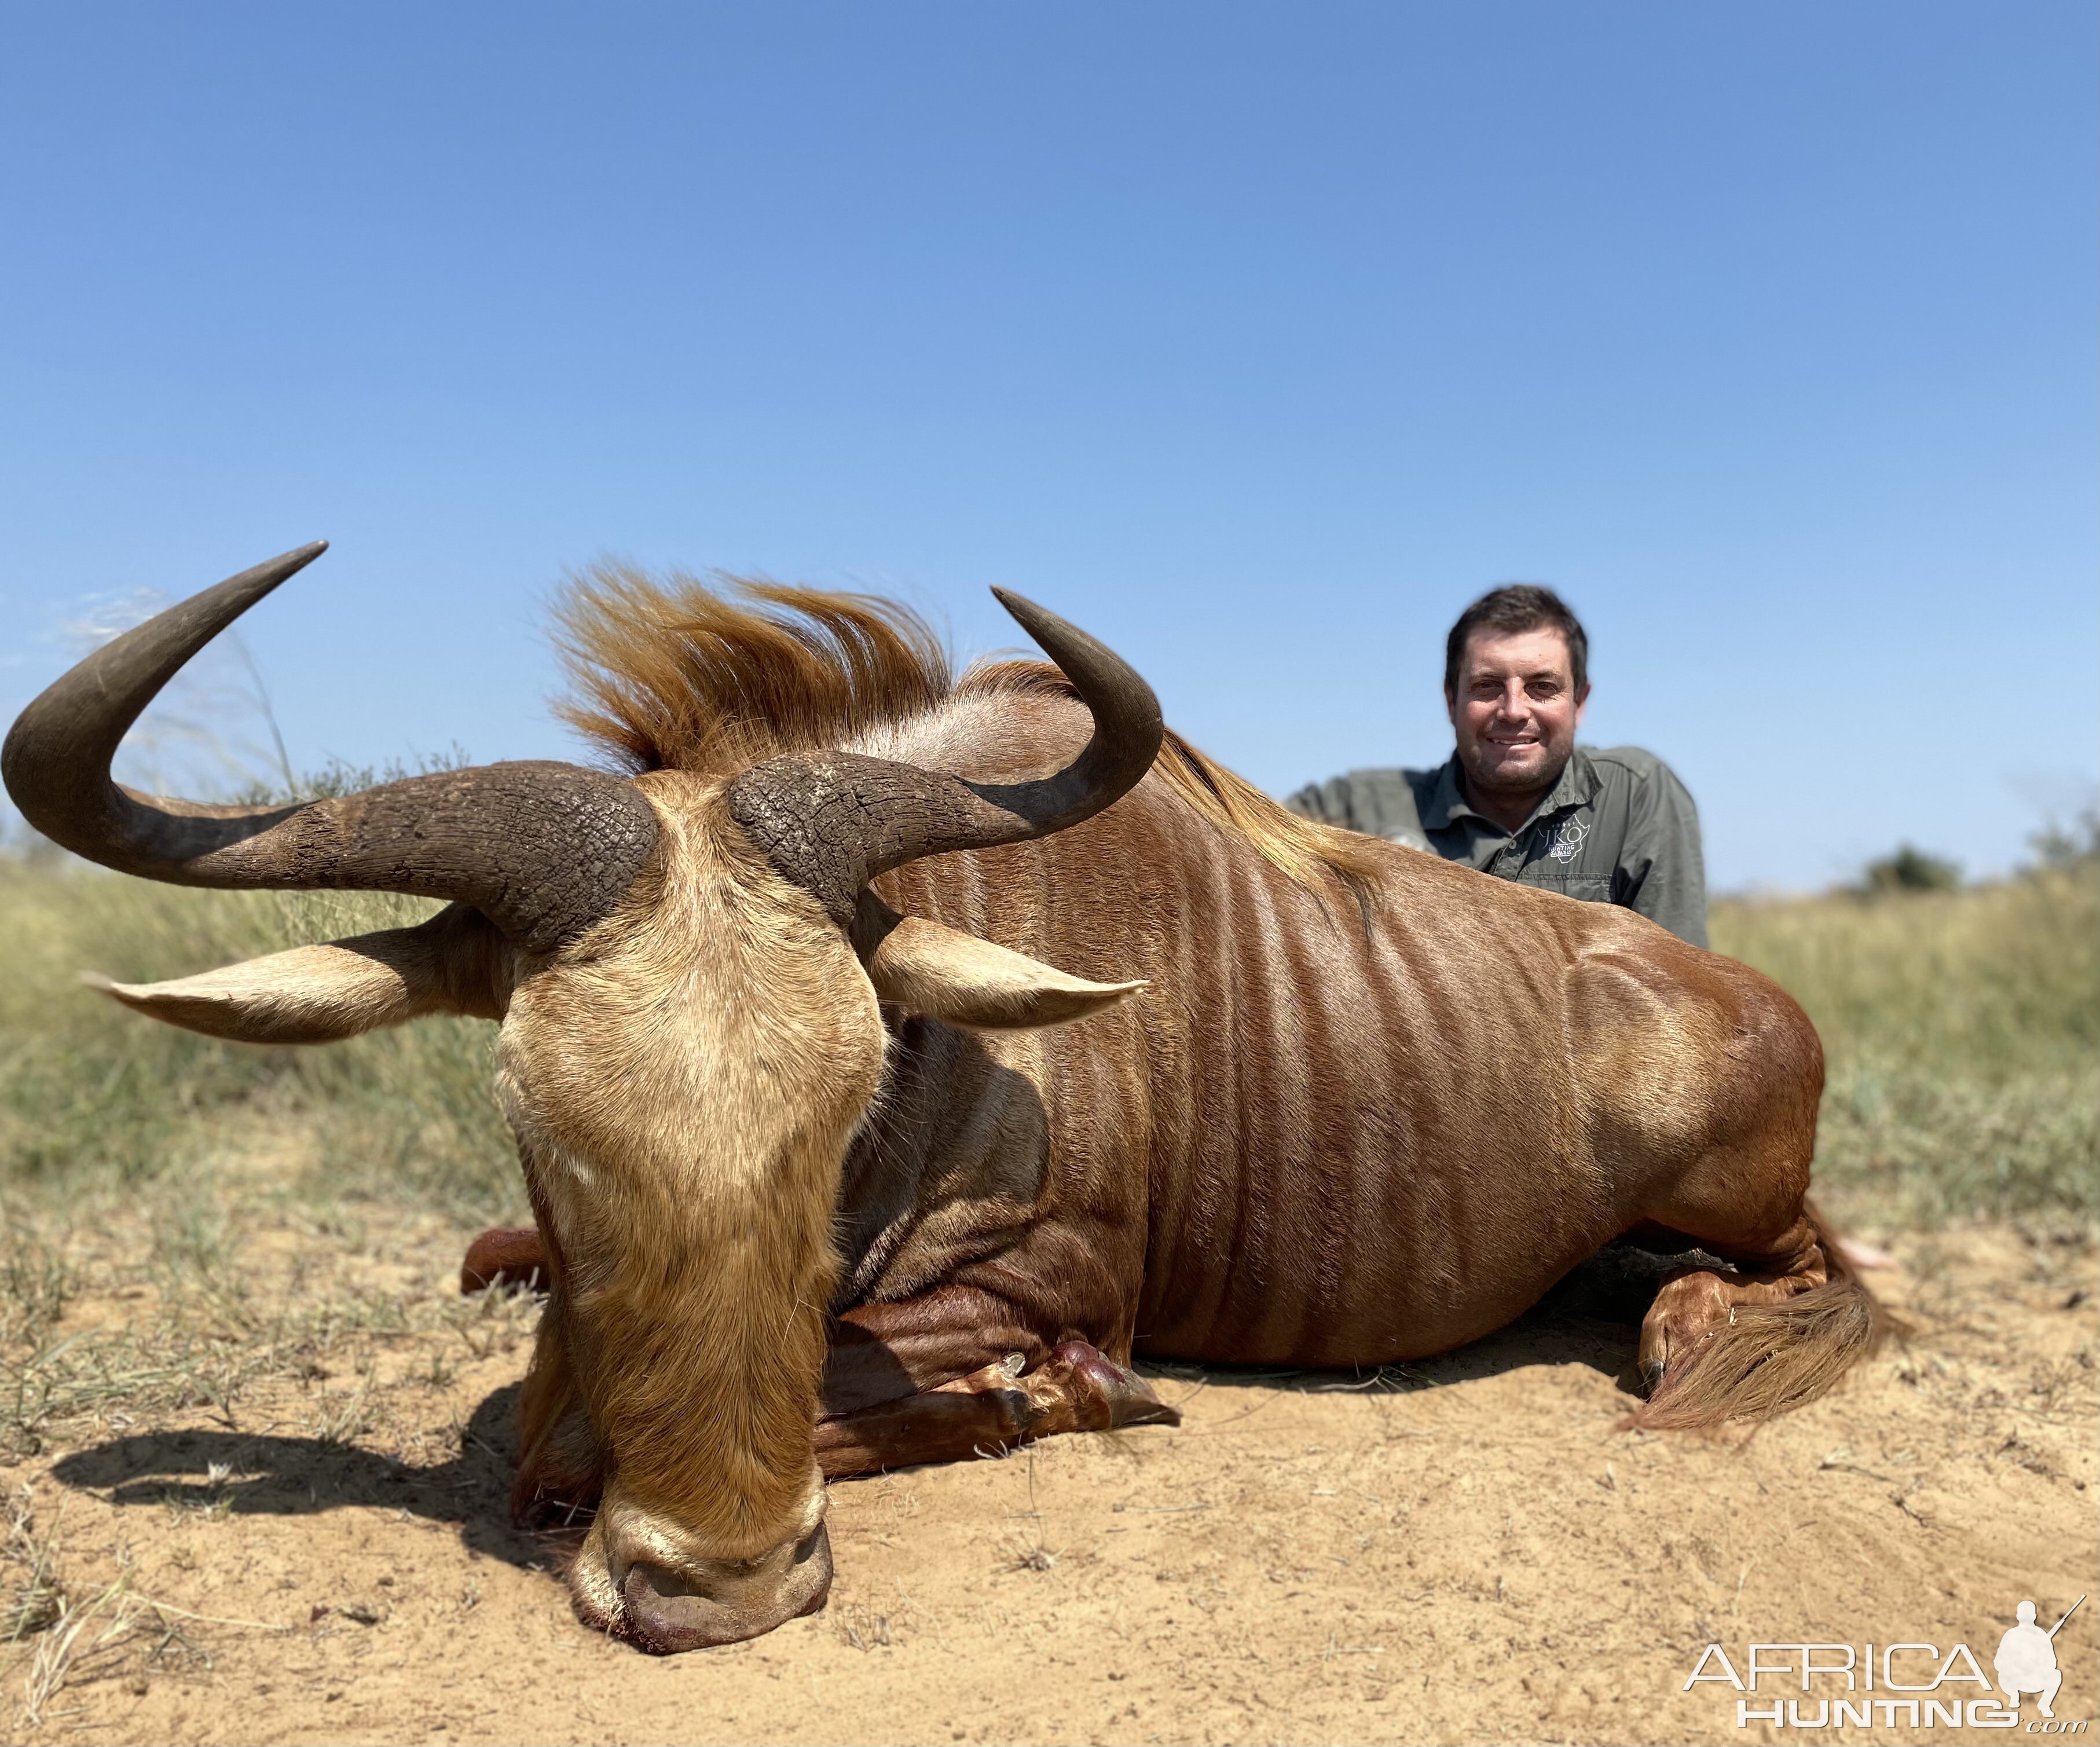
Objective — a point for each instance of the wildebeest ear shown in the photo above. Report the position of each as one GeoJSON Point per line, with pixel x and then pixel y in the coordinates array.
{"type": "Point", "coordinates": [947, 974]}
{"type": "Point", "coordinates": [455, 963]}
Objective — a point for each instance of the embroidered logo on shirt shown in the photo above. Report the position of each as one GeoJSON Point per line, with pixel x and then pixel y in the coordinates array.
{"type": "Point", "coordinates": [1567, 839]}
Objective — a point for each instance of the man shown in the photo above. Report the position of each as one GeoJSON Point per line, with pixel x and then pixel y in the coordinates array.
{"type": "Point", "coordinates": [1518, 798]}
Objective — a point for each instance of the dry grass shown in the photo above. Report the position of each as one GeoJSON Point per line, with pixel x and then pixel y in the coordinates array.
{"type": "Point", "coordinates": [241, 1299]}
{"type": "Point", "coordinates": [195, 1233]}
{"type": "Point", "coordinates": [88, 1092]}
{"type": "Point", "coordinates": [1962, 1030]}
{"type": "Point", "coordinates": [192, 1298]}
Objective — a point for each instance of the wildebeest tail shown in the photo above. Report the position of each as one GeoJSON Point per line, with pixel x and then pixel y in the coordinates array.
{"type": "Point", "coordinates": [1770, 1359]}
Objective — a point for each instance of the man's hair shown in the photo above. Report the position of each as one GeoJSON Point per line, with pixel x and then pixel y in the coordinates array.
{"type": "Point", "coordinates": [1505, 611]}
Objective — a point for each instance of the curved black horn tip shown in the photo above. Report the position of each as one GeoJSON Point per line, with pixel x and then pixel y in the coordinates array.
{"type": "Point", "coordinates": [1045, 627]}
{"type": "Point", "coordinates": [75, 724]}
{"type": "Point", "coordinates": [1087, 662]}
{"type": "Point", "coordinates": [1024, 611]}
{"type": "Point", "coordinates": [236, 594]}
{"type": "Point", "coordinates": [286, 564]}
{"type": "Point", "coordinates": [211, 612]}
{"type": "Point", "coordinates": [291, 563]}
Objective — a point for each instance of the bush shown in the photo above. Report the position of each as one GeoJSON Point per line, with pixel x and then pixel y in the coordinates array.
{"type": "Point", "coordinates": [1911, 870]}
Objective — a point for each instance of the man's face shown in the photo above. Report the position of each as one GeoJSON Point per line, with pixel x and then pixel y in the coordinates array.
{"type": "Point", "coordinates": [1516, 711]}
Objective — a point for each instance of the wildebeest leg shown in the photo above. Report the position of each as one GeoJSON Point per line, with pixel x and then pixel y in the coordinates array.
{"type": "Point", "coordinates": [514, 1255]}
{"type": "Point", "coordinates": [559, 1467]}
{"type": "Point", "coordinates": [884, 1352]}
{"type": "Point", "coordinates": [1694, 1303]}
{"type": "Point", "coordinates": [993, 1409]}
{"type": "Point", "coordinates": [1773, 1332]}
{"type": "Point", "coordinates": [560, 1470]}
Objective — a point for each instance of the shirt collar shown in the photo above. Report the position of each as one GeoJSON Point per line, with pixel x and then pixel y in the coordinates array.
{"type": "Point", "coordinates": [1577, 787]}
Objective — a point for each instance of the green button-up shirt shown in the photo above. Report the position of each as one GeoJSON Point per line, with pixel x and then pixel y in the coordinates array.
{"type": "Point", "coordinates": [1618, 828]}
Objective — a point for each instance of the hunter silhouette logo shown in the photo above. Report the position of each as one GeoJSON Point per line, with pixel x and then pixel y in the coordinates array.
{"type": "Point", "coordinates": [2026, 1661]}
{"type": "Point", "coordinates": [1910, 1684]}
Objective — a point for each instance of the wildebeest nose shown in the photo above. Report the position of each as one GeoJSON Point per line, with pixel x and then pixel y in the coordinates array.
{"type": "Point", "coordinates": [669, 1611]}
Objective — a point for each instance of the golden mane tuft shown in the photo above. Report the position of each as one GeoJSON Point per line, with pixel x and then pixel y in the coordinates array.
{"type": "Point", "coordinates": [679, 675]}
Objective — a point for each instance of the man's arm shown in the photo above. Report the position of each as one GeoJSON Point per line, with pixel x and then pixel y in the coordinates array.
{"type": "Point", "coordinates": [1662, 872]}
{"type": "Point", "coordinates": [1326, 803]}
{"type": "Point", "coordinates": [1379, 803]}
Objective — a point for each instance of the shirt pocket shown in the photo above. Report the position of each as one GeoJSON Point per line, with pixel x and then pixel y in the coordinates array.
{"type": "Point", "coordinates": [1591, 889]}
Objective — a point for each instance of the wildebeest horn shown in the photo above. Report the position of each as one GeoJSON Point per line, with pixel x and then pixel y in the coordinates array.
{"type": "Point", "coordinates": [542, 849]}
{"type": "Point", "coordinates": [830, 822]}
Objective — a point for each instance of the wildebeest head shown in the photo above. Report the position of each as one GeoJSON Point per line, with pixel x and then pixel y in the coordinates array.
{"type": "Point", "coordinates": [687, 964]}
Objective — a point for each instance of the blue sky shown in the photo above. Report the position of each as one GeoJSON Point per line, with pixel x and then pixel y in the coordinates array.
{"type": "Point", "coordinates": [1258, 340]}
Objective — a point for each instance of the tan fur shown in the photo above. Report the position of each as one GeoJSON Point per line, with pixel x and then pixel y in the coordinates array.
{"type": "Point", "coordinates": [1762, 1339]}
{"type": "Point", "coordinates": [1296, 847]}
{"type": "Point", "coordinates": [677, 676]}
{"type": "Point", "coordinates": [683, 1084]}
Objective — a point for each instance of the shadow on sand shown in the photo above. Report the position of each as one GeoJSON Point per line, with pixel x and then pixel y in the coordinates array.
{"type": "Point", "coordinates": [1592, 1317]}
{"type": "Point", "coordinates": [253, 1474]}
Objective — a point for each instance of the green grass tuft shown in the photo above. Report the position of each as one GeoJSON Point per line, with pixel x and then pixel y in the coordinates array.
{"type": "Point", "coordinates": [1962, 1033]}
{"type": "Point", "coordinates": [89, 1087]}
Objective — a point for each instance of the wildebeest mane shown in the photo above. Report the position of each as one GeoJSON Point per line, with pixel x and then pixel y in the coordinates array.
{"type": "Point", "coordinates": [679, 673]}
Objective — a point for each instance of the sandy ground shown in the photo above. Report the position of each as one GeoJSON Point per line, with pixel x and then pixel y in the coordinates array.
{"type": "Point", "coordinates": [1468, 1550]}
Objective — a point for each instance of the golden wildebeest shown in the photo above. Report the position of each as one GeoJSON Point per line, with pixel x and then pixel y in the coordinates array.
{"type": "Point", "coordinates": [818, 1190]}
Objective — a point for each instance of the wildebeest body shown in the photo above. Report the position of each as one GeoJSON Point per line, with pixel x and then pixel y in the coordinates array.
{"type": "Point", "coordinates": [1326, 1135]}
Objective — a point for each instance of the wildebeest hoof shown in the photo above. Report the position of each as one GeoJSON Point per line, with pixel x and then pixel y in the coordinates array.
{"type": "Point", "coordinates": [1104, 1394]}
